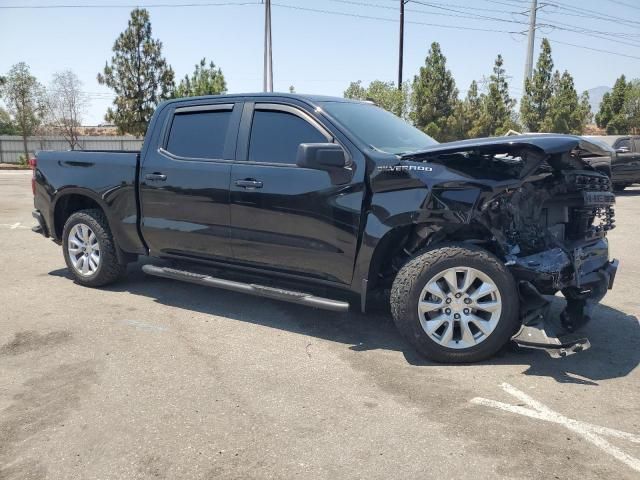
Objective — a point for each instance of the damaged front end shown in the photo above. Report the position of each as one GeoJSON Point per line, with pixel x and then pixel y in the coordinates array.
{"type": "Point", "coordinates": [549, 209]}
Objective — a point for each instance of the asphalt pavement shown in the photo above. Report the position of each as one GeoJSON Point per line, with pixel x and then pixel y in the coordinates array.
{"type": "Point", "coordinates": [152, 378]}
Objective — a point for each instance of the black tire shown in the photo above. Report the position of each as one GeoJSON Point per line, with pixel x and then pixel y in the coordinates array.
{"type": "Point", "coordinates": [414, 275]}
{"type": "Point", "coordinates": [619, 187]}
{"type": "Point", "coordinates": [110, 268]}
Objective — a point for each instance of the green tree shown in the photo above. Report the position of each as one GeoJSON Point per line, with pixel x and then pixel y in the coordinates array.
{"type": "Point", "coordinates": [567, 113]}
{"type": "Point", "coordinates": [585, 109]}
{"type": "Point", "coordinates": [138, 74]}
{"type": "Point", "coordinates": [205, 80]}
{"type": "Point", "coordinates": [632, 106]}
{"type": "Point", "coordinates": [497, 107]}
{"type": "Point", "coordinates": [536, 100]}
{"type": "Point", "coordinates": [384, 94]}
{"type": "Point", "coordinates": [434, 96]}
{"type": "Point", "coordinates": [611, 115]}
{"type": "Point", "coordinates": [24, 98]}
{"type": "Point", "coordinates": [7, 126]}
{"type": "Point", "coordinates": [466, 114]}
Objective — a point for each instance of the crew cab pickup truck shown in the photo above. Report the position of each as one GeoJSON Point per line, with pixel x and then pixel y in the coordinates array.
{"type": "Point", "coordinates": [625, 165]}
{"type": "Point", "coordinates": [331, 203]}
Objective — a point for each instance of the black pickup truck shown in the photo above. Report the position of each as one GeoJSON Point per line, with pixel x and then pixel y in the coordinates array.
{"type": "Point", "coordinates": [330, 202]}
{"type": "Point", "coordinates": [625, 165]}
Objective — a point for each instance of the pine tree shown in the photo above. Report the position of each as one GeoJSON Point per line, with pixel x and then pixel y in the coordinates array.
{"type": "Point", "coordinates": [434, 96]}
{"type": "Point", "coordinates": [139, 75]}
{"type": "Point", "coordinates": [585, 110]}
{"type": "Point", "coordinates": [632, 107]}
{"type": "Point", "coordinates": [567, 113]}
{"type": "Point", "coordinates": [497, 106]}
{"type": "Point", "coordinates": [205, 80]}
{"type": "Point", "coordinates": [466, 114]}
{"type": "Point", "coordinates": [611, 114]}
{"type": "Point", "coordinates": [538, 91]}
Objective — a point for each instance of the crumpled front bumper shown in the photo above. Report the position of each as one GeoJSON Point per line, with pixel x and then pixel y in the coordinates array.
{"type": "Point", "coordinates": [583, 274]}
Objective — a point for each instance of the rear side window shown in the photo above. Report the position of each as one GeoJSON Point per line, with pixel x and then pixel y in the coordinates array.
{"type": "Point", "coordinates": [199, 134]}
{"type": "Point", "coordinates": [275, 136]}
{"type": "Point", "coordinates": [636, 143]}
{"type": "Point", "coordinates": [626, 143]}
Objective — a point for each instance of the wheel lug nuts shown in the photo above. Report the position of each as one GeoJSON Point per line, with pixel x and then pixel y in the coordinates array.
{"type": "Point", "coordinates": [448, 300]}
{"type": "Point", "coordinates": [457, 316]}
{"type": "Point", "coordinates": [467, 301]}
{"type": "Point", "coordinates": [466, 311]}
{"type": "Point", "coordinates": [447, 311]}
{"type": "Point", "coordinates": [458, 295]}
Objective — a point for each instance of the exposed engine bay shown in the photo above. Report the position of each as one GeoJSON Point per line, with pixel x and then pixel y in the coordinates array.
{"type": "Point", "coordinates": [548, 212]}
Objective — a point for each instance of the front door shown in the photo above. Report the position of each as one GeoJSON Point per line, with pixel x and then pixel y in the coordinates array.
{"type": "Point", "coordinates": [184, 184]}
{"type": "Point", "coordinates": [286, 218]}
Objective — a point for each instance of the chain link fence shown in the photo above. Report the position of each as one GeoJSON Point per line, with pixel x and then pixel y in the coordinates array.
{"type": "Point", "coordinates": [11, 147]}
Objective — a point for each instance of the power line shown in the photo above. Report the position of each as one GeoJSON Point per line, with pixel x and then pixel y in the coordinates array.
{"type": "Point", "coordinates": [479, 17]}
{"type": "Point", "coordinates": [580, 12]}
{"type": "Point", "coordinates": [624, 4]}
{"type": "Point", "coordinates": [555, 26]}
{"type": "Point", "coordinates": [425, 12]}
{"type": "Point", "coordinates": [371, 17]}
{"type": "Point", "coordinates": [591, 13]}
{"type": "Point", "coordinates": [595, 49]}
{"type": "Point", "coordinates": [467, 7]}
{"type": "Point", "coordinates": [150, 5]}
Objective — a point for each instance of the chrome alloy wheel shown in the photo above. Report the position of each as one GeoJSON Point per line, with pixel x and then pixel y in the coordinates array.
{"type": "Point", "coordinates": [459, 307]}
{"type": "Point", "coordinates": [84, 250]}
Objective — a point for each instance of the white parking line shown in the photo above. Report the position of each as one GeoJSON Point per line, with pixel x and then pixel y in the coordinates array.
{"type": "Point", "coordinates": [16, 172]}
{"type": "Point", "coordinates": [13, 226]}
{"type": "Point", "coordinates": [591, 433]}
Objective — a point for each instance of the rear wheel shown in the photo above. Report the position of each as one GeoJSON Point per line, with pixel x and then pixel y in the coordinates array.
{"type": "Point", "coordinates": [89, 249]}
{"type": "Point", "coordinates": [456, 303]}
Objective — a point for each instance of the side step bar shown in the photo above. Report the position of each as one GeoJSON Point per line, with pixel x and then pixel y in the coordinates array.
{"type": "Point", "coordinates": [250, 288]}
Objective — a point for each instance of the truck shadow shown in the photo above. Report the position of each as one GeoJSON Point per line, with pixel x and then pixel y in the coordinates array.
{"type": "Point", "coordinates": [614, 335]}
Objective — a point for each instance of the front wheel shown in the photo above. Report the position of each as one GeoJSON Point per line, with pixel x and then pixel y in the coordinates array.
{"type": "Point", "coordinates": [456, 303]}
{"type": "Point", "coordinates": [89, 249]}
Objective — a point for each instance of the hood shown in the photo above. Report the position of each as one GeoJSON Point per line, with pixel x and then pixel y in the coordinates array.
{"type": "Point", "coordinates": [561, 152]}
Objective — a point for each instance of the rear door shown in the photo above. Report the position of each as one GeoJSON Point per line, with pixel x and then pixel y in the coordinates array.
{"type": "Point", "coordinates": [627, 165]}
{"type": "Point", "coordinates": [285, 218]}
{"type": "Point", "coordinates": [184, 182]}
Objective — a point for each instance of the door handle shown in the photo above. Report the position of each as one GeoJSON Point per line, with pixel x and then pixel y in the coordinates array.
{"type": "Point", "coordinates": [249, 183]}
{"type": "Point", "coordinates": [155, 177]}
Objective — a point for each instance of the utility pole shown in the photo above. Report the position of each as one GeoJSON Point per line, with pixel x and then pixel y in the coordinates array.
{"type": "Point", "coordinates": [531, 40]}
{"type": "Point", "coordinates": [401, 44]}
{"type": "Point", "coordinates": [268, 64]}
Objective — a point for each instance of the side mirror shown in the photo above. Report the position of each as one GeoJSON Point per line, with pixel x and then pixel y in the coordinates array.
{"type": "Point", "coordinates": [321, 156]}
{"type": "Point", "coordinates": [329, 157]}
{"type": "Point", "coordinates": [623, 150]}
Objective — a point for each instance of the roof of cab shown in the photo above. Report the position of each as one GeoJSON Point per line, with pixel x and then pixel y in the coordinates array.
{"type": "Point", "coordinates": [293, 96]}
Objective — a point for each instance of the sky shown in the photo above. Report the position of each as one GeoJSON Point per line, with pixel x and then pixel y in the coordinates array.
{"type": "Point", "coordinates": [319, 46]}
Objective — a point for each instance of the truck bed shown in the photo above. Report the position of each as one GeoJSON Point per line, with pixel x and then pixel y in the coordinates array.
{"type": "Point", "coordinates": [108, 177]}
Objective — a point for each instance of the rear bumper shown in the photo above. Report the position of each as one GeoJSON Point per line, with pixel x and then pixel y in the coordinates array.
{"type": "Point", "coordinates": [41, 228]}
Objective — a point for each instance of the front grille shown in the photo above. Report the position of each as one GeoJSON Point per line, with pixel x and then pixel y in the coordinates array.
{"type": "Point", "coordinates": [589, 181]}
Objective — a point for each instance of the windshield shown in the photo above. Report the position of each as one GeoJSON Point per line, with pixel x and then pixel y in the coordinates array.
{"type": "Point", "coordinates": [378, 128]}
